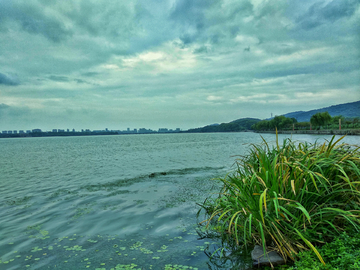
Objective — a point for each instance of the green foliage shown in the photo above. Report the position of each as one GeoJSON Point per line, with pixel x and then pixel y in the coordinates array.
{"type": "Point", "coordinates": [335, 119]}
{"type": "Point", "coordinates": [342, 253]}
{"type": "Point", "coordinates": [320, 119]}
{"type": "Point", "coordinates": [234, 126]}
{"type": "Point", "coordinates": [289, 198]}
{"type": "Point", "coordinates": [278, 122]}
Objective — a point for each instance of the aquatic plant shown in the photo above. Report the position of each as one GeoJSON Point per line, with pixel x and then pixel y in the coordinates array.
{"type": "Point", "coordinates": [289, 198]}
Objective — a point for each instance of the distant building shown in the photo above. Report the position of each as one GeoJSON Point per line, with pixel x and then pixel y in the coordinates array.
{"type": "Point", "coordinates": [21, 132]}
{"type": "Point", "coordinates": [28, 131]}
{"type": "Point", "coordinates": [15, 131]}
{"type": "Point", "coordinates": [10, 131]}
{"type": "Point", "coordinates": [144, 130]}
{"type": "Point", "coordinates": [163, 130]}
{"type": "Point", "coordinates": [36, 130]}
{"type": "Point", "coordinates": [73, 130]}
{"type": "Point", "coordinates": [4, 132]}
{"type": "Point", "coordinates": [68, 130]}
{"type": "Point", "coordinates": [54, 130]}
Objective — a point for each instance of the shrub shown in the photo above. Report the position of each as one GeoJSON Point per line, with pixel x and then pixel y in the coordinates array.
{"type": "Point", "coordinates": [289, 198]}
{"type": "Point", "coordinates": [342, 253]}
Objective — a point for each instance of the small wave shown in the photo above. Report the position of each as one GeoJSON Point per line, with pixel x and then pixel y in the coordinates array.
{"type": "Point", "coordinates": [18, 201]}
{"type": "Point", "coordinates": [187, 171]}
{"type": "Point", "coordinates": [110, 186]}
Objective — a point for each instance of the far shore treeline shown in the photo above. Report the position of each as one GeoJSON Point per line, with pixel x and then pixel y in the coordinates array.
{"type": "Point", "coordinates": [321, 120]}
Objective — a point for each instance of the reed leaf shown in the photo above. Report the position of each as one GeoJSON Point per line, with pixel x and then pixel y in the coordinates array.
{"type": "Point", "coordinates": [290, 197]}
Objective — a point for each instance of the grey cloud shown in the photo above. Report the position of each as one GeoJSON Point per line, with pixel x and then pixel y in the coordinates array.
{"type": "Point", "coordinates": [201, 49]}
{"type": "Point", "coordinates": [113, 19]}
{"type": "Point", "coordinates": [91, 74]}
{"type": "Point", "coordinates": [190, 15]}
{"type": "Point", "coordinates": [4, 106]}
{"type": "Point", "coordinates": [191, 12]}
{"type": "Point", "coordinates": [309, 47]}
{"type": "Point", "coordinates": [79, 81]}
{"type": "Point", "coordinates": [337, 9]}
{"type": "Point", "coordinates": [12, 112]}
{"type": "Point", "coordinates": [219, 22]}
{"type": "Point", "coordinates": [33, 20]}
{"type": "Point", "coordinates": [9, 79]}
{"type": "Point", "coordinates": [318, 13]}
{"type": "Point", "coordinates": [59, 78]}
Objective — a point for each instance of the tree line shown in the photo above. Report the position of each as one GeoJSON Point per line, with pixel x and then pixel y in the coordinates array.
{"type": "Point", "coordinates": [320, 120]}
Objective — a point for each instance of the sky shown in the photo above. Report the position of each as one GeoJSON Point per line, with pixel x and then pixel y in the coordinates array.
{"type": "Point", "coordinates": [120, 64]}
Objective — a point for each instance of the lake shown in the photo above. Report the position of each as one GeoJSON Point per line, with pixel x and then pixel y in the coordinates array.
{"type": "Point", "coordinates": [114, 202]}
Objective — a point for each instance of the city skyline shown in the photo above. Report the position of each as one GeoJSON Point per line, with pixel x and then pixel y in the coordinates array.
{"type": "Point", "coordinates": [126, 131]}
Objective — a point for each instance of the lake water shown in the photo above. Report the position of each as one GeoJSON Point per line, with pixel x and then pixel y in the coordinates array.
{"type": "Point", "coordinates": [102, 202]}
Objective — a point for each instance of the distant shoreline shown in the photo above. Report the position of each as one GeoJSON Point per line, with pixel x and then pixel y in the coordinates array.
{"type": "Point", "coordinates": [355, 132]}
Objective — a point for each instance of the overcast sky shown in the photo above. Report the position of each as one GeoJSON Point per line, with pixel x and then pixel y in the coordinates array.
{"type": "Point", "coordinates": [173, 63]}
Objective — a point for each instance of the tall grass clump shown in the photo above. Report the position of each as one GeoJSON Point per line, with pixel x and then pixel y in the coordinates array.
{"type": "Point", "coordinates": [289, 198]}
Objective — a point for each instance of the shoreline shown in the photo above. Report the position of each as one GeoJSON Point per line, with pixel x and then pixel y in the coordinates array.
{"type": "Point", "coordinates": [355, 132]}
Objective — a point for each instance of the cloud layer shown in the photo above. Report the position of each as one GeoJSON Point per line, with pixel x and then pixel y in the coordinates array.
{"type": "Point", "coordinates": [174, 63]}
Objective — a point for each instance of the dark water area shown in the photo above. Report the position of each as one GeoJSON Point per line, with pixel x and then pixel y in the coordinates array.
{"type": "Point", "coordinates": [114, 202]}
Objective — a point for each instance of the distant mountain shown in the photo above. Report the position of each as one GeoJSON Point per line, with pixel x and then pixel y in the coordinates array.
{"type": "Point", "coordinates": [347, 110]}
{"type": "Point", "coordinates": [234, 126]}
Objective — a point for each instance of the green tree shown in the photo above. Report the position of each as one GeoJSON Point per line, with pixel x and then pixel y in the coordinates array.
{"type": "Point", "coordinates": [286, 123]}
{"type": "Point", "coordinates": [302, 125]}
{"type": "Point", "coordinates": [320, 119]}
{"type": "Point", "coordinates": [294, 120]}
{"type": "Point", "coordinates": [326, 118]}
{"type": "Point", "coordinates": [262, 125]}
{"type": "Point", "coordinates": [356, 121]}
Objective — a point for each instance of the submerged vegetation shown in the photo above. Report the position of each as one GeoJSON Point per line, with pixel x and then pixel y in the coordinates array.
{"type": "Point", "coordinates": [289, 198]}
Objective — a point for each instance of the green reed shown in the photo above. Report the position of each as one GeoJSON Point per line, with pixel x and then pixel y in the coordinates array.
{"type": "Point", "coordinates": [290, 197]}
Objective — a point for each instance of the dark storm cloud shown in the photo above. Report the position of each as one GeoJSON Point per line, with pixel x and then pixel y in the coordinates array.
{"type": "Point", "coordinates": [33, 20]}
{"type": "Point", "coordinates": [8, 79]}
{"type": "Point", "coordinates": [320, 13]}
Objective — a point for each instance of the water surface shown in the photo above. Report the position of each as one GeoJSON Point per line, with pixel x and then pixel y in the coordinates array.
{"type": "Point", "coordinates": [104, 201]}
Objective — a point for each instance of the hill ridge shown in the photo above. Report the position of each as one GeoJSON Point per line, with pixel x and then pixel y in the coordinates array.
{"type": "Point", "coordinates": [350, 109]}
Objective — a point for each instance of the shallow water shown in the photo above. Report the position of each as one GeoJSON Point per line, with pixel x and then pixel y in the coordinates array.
{"type": "Point", "coordinates": [105, 201]}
